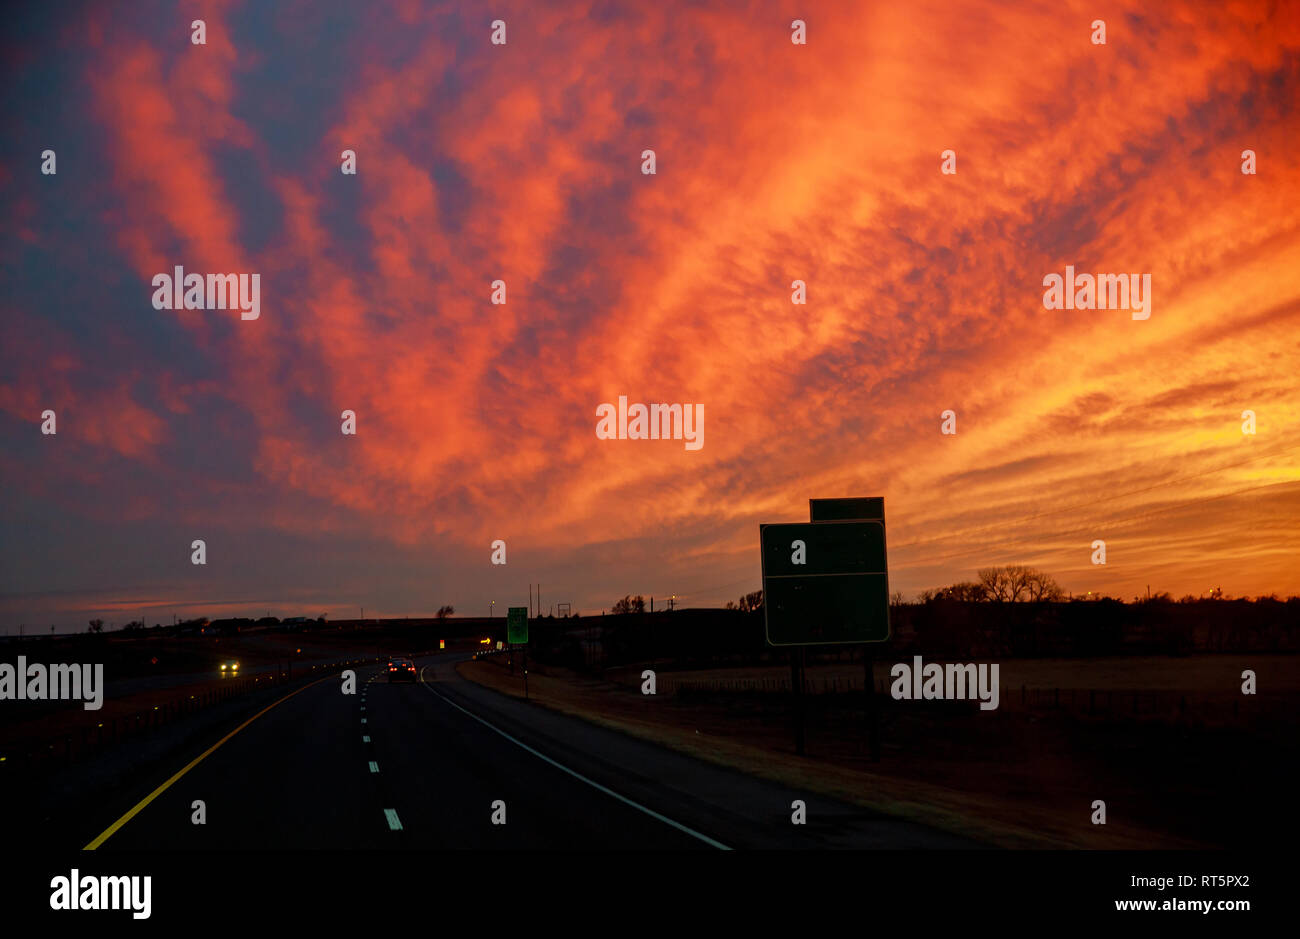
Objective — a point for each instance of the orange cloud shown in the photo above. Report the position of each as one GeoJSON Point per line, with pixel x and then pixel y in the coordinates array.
{"type": "Point", "coordinates": [775, 162]}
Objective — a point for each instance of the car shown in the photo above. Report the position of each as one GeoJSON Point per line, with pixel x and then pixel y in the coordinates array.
{"type": "Point", "coordinates": [229, 667]}
{"type": "Point", "coordinates": [400, 669]}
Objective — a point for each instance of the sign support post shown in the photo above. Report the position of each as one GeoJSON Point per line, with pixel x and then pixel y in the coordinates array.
{"type": "Point", "coordinates": [827, 583]}
{"type": "Point", "coordinates": [517, 635]}
{"type": "Point", "coordinates": [796, 688]}
{"type": "Point", "coordinates": [873, 717]}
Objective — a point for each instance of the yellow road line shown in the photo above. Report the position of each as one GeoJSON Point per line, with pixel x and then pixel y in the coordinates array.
{"type": "Point", "coordinates": [112, 829]}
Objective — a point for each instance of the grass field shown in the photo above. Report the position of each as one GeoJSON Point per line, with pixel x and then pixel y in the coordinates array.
{"type": "Point", "coordinates": [1010, 778]}
{"type": "Point", "coordinates": [1200, 673]}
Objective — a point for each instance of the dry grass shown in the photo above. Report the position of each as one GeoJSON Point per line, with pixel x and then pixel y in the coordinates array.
{"type": "Point", "coordinates": [1035, 803]}
{"type": "Point", "coordinates": [56, 720]}
{"type": "Point", "coordinates": [1203, 673]}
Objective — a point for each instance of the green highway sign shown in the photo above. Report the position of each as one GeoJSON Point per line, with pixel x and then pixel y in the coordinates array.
{"type": "Point", "coordinates": [846, 510]}
{"type": "Point", "coordinates": [825, 582]}
{"type": "Point", "coordinates": [517, 625]}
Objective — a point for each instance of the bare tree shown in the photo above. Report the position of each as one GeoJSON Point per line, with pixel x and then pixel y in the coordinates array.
{"type": "Point", "coordinates": [445, 611]}
{"type": "Point", "coordinates": [1040, 586]}
{"type": "Point", "coordinates": [996, 583]}
{"type": "Point", "coordinates": [630, 604]}
{"type": "Point", "coordinates": [751, 601]}
{"type": "Point", "coordinates": [1015, 583]}
{"type": "Point", "coordinates": [967, 591]}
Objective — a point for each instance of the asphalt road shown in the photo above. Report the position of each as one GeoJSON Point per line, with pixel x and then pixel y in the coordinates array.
{"type": "Point", "coordinates": [420, 765]}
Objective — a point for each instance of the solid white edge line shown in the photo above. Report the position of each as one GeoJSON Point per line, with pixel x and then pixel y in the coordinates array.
{"type": "Point", "coordinates": [394, 823]}
{"type": "Point", "coordinates": [576, 775]}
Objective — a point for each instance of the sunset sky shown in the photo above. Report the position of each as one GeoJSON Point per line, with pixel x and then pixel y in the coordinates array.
{"type": "Point", "coordinates": [522, 162]}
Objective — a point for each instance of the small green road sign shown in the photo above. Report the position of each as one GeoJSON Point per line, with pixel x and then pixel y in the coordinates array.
{"type": "Point", "coordinates": [825, 583]}
{"type": "Point", "coordinates": [517, 626]}
{"type": "Point", "coordinates": [846, 510]}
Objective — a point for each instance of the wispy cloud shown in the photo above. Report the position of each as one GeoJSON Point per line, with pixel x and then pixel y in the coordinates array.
{"type": "Point", "coordinates": [775, 162]}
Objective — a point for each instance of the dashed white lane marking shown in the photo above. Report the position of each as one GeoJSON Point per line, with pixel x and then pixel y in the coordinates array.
{"type": "Point", "coordinates": [365, 738]}
{"type": "Point", "coordinates": [576, 775]}
{"type": "Point", "coordinates": [374, 767]}
{"type": "Point", "coordinates": [363, 720]}
{"type": "Point", "coordinates": [394, 823]}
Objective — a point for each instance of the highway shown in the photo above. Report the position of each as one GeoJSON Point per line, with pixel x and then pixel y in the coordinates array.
{"type": "Point", "coordinates": [419, 765]}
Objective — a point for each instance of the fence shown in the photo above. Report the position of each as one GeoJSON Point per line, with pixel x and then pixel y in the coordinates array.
{"type": "Point", "coordinates": [1077, 702]}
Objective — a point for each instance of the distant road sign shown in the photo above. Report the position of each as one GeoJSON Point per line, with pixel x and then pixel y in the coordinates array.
{"type": "Point", "coordinates": [825, 584]}
{"type": "Point", "coordinates": [517, 625]}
